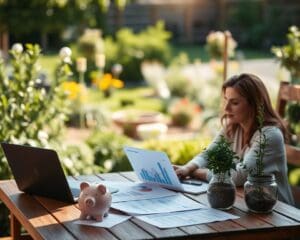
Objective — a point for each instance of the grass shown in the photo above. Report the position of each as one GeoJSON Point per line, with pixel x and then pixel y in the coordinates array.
{"type": "Point", "coordinates": [49, 63]}
{"type": "Point", "coordinates": [138, 98]}
{"type": "Point", "coordinates": [198, 52]}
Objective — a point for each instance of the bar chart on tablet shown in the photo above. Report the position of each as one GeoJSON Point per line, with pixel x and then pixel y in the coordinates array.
{"type": "Point", "coordinates": [158, 175]}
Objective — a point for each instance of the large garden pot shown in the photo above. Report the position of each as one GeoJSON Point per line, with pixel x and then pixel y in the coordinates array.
{"type": "Point", "coordinates": [129, 120]}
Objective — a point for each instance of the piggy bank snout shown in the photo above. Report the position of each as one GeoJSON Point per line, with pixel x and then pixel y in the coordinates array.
{"type": "Point", "coordinates": [90, 201]}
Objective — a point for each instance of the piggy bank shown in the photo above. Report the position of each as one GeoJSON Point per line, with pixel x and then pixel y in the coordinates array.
{"type": "Point", "coordinates": [94, 201]}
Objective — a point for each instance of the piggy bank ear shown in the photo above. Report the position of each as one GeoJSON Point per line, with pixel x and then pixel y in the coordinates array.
{"type": "Point", "coordinates": [101, 188]}
{"type": "Point", "coordinates": [84, 185]}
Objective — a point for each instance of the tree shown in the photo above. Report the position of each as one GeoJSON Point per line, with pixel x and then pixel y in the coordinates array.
{"type": "Point", "coordinates": [37, 19]}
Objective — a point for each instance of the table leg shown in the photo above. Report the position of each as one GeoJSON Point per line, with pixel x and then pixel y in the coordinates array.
{"type": "Point", "coordinates": [15, 227]}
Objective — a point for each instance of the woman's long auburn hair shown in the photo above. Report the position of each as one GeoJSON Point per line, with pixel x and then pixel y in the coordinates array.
{"type": "Point", "coordinates": [253, 89]}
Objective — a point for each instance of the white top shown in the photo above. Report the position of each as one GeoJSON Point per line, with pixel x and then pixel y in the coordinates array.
{"type": "Point", "coordinates": [274, 159]}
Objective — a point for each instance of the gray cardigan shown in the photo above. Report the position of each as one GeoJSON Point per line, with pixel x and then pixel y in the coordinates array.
{"type": "Point", "coordinates": [274, 159]}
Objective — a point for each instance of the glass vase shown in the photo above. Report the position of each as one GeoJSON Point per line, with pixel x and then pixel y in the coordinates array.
{"type": "Point", "coordinates": [261, 193]}
{"type": "Point", "coordinates": [221, 191]}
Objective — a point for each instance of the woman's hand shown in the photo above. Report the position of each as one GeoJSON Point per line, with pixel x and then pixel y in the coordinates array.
{"type": "Point", "coordinates": [200, 173]}
{"type": "Point", "coordinates": [185, 170]}
{"type": "Point", "coordinates": [181, 171]}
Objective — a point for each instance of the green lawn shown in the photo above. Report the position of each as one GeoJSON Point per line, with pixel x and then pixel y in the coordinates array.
{"type": "Point", "coordinates": [199, 52]}
{"type": "Point", "coordinates": [49, 63]}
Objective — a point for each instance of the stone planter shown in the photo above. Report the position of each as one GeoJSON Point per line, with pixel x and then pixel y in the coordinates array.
{"type": "Point", "coordinates": [129, 120]}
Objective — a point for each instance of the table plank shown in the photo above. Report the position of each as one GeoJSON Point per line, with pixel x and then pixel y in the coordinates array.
{"type": "Point", "coordinates": [247, 221]}
{"type": "Point", "coordinates": [35, 219]}
{"type": "Point", "coordinates": [66, 214]}
{"type": "Point", "coordinates": [154, 231]}
{"type": "Point", "coordinates": [50, 219]}
{"type": "Point", "coordinates": [279, 218]}
{"type": "Point", "coordinates": [125, 230]}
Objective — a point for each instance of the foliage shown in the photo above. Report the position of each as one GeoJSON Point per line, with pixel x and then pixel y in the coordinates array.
{"type": "Point", "coordinates": [182, 111]}
{"type": "Point", "coordinates": [53, 15]}
{"type": "Point", "coordinates": [215, 44]}
{"type": "Point", "coordinates": [108, 150]}
{"type": "Point", "coordinates": [289, 54]}
{"type": "Point", "coordinates": [179, 84]}
{"type": "Point", "coordinates": [294, 177]}
{"type": "Point", "coordinates": [262, 142]}
{"type": "Point", "coordinates": [179, 152]}
{"type": "Point", "coordinates": [90, 44]}
{"type": "Point", "coordinates": [131, 49]}
{"type": "Point", "coordinates": [293, 112]}
{"type": "Point", "coordinates": [246, 18]}
{"type": "Point", "coordinates": [30, 113]}
{"type": "Point", "coordinates": [79, 159]}
{"type": "Point", "coordinates": [26, 108]}
{"type": "Point", "coordinates": [293, 117]}
{"type": "Point", "coordinates": [220, 158]}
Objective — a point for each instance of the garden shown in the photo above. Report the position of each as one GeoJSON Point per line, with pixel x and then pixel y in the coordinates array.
{"type": "Point", "coordinates": [99, 99]}
{"type": "Point", "coordinates": [99, 93]}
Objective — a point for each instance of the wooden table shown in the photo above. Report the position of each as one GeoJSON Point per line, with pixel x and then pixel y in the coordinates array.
{"type": "Point", "coordinates": [44, 218]}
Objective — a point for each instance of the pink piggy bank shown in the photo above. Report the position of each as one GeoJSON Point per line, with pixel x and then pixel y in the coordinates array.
{"type": "Point", "coordinates": [94, 201]}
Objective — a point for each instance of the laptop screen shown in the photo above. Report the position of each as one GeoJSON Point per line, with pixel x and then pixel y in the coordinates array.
{"type": "Point", "coordinates": [153, 167]}
{"type": "Point", "coordinates": [37, 171]}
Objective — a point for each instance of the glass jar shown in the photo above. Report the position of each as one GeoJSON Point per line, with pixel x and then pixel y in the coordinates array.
{"type": "Point", "coordinates": [261, 193]}
{"type": "Point", "coordinates": [221, 191]}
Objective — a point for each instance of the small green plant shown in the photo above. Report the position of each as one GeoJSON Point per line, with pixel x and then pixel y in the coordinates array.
{"type": "Point", "coordinates": [221, 157]}
{"type": "Point", "coordinates": [259, 170]}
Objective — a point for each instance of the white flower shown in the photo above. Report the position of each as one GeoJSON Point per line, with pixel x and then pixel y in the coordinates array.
{"type": "Point", "coordinates": [17, 47]}
{"type": "Point", "coordinates": [65, 54]}
{"type": "Point", "coordinates": [42, 135]}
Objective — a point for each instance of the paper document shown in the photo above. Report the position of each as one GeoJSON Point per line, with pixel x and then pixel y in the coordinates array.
{"type": "Point", "coordinates": [111, 220]}
{"type": "Point", "coordinates": [186, 218]}
{"type": "Point", "coordinates": [140, 191]}
{"type": "Point", "coordinates": [158, 205]}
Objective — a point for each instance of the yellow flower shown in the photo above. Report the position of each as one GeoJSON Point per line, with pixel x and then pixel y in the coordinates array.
{"type": "Point", "coordinates": [107, 81]}
{"type": "Point", "coordinates": [73, 90]}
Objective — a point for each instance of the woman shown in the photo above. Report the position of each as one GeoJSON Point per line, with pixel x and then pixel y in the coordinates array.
{"type": "Point", "coordinates": [243, 95]}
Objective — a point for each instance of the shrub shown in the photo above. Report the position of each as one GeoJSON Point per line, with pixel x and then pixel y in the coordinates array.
{"type": "Point", "coordinates": [183, 111]}
{"type": "Point", "coordinates": [215, 44]}
{"type": "Point", "coordinates": [131, 49]}
{"type": "Point", "coordinates": [108, 150]}
{"type": "Point", "coordinates": [179, 152]}
{"type": "Point", "coordinates": [31, 115]}
{"type": "Point", "coordinates": [90, 44]}
{"type": "Point", "coordinates": [79, 159]}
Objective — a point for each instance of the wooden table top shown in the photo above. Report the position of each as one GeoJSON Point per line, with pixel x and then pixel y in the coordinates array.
{"type": "Point", "coordinates": [44, 218]}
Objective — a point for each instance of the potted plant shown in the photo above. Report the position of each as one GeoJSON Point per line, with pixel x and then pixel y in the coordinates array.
{"type": "Point", "coordinates": [289, 54]}
{"type": "Point", "coordinates": [221, 189]}
{"type": "Point", "coordinates": [182, 111]}
{"type": "Point", "coordinates": [260, 189]}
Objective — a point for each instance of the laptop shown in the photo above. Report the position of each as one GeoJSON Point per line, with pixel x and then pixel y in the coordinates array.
{"type": "Point", "coordinates": [38, 171]}
{"type": "Point", "coordinates": [155, 167]}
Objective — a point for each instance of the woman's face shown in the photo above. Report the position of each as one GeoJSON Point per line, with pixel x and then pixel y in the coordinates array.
{"type": "Point", "coordinates": [237, 108]}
